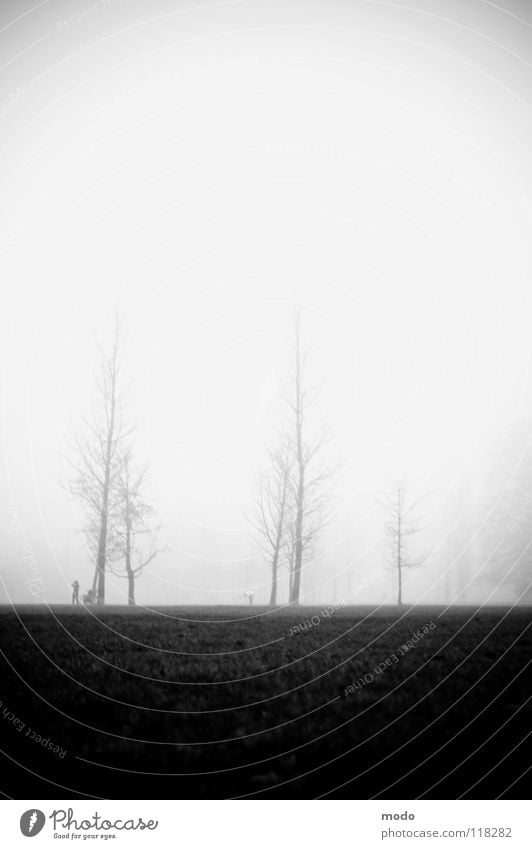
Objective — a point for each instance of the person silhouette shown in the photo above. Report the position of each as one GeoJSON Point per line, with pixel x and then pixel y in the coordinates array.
{"type": "Point", "coordinates": [75, 592]}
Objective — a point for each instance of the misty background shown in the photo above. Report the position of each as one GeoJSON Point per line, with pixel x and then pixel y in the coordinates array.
{"type": "Point", "coordinates": [206, 169]}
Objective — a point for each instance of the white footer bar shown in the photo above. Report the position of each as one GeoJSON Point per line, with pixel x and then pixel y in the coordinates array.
{"type": "Point", "coordinates": [266, 824]}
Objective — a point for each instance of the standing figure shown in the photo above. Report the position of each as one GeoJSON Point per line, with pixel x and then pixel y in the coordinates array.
{"type": "Point", "coordinates": [250, 595]}
{"type": "Point", "coordinates": [75, 592]}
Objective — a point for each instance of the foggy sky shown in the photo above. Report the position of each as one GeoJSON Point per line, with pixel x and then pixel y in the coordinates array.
{"type": "Point", "coordinates": [206, 167]}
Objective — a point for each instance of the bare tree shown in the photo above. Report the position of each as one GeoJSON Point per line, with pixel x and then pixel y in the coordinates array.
{"type": "Point", "coordinates": [309, 482]}
{"type": "Point", "coordinates": [401, 527]}
{"type": "Point", "coordinates": [273, 506]}
{"type": "Point", "coordinates": [134, 536]}
{"type": "Point", "coordinates": [96, 462]}
{"type": "Point", "coordinates": [293, 492]}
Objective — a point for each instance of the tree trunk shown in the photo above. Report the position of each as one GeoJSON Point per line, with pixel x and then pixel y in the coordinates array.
{"type": "Point", "coordinates": [129, 570]}
{"type": "Point", "coordinates": [279, 540]}
{"type": "Point", "coordinates": [399, 552]}
{"type": "Point", "coordinates": [110, 436]}
{"type": "Point", "coordinates": [300, 497]}
{"type": "Point", "coordinates": [273, 592]}
{"type": "Point", "coordinates": [101, 557]}
{"type": "Point", "coordinates": [102, 540]}
{"type": "Point", "coordinates": [131, 588]}
{"type": "Point", "coordinates": [298, 558]}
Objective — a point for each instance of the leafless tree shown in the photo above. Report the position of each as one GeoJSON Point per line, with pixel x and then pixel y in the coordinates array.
{"type": "Point", "coordinates": [133, 533]}
{"type": "Point", "coordinates": [293, 493]}
{"type": "Point", "coordinates": [309, 480]}
{"type": "Point", "coordinates": [273, 505]}
{"type": "Point", "coordinates": [96, 460]}
{"type": "Point", "coordinates": [401, 527]}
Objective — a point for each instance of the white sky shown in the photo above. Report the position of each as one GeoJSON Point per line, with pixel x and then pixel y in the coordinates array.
{"type": "Point", "coordinates": [207, 168]}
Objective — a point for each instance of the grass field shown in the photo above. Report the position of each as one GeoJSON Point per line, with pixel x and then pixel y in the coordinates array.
{"type": "Point", "coordinates": [229, 702]}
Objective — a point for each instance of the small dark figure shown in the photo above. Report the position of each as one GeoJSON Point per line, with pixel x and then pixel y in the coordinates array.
{"type": "Point", "coordinates": [75, 592]}
{"type": "Point", "coordinates": [250, 595]}
{"type": "Point", "coordinates": [88, 597]}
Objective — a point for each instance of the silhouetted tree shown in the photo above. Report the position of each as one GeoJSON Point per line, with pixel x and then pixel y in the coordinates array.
{"type": "Point", "coordinates": [134, 535]}
{"type": "Point", "coordinates": [401, 527]}
{"type": "Point", "coordinates": [293, 491]}
{"type": "Point", "coordinates": [309, 481]}
{"type": "Point", "coordinates": [97, 460]}
{"type": "Point", "coordinates": [273, 505]}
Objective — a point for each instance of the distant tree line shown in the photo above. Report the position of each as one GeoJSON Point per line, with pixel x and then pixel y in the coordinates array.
{"type": "Point", "coordinates": [293, 495]}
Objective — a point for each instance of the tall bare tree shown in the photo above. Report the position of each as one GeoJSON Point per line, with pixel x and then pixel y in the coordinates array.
{"type": "Point", "coordinates": [133, 533]}
{"type": "Point", "coordinates": [273, 506]}
{"type": "Point", "coordinates": [96, 463]}
{"type": "Point", "coordinates": [401, 527]}
{"type": "Point", "coordinates": [309, 479]}
{"type": "Point", "coordinates": [293, 492]}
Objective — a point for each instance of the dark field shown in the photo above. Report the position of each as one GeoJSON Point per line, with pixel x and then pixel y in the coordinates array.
{"type": "Point", "coordinates": [224, 702]}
